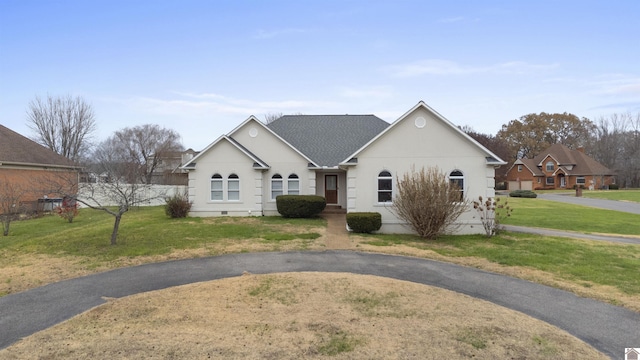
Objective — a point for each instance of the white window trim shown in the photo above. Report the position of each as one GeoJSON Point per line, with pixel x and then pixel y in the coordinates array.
{"type": "Point", "coordinates": [463, 189]}
{"type": "Point", "coordinates": [285, 185]}
{"type": "Point", "coordinates": [225, 188]}
{"type": "Point", "coordinates": [378, 191]}
{"type": "Point", "coordinates": [546, 166]}
{"type": "Point", "coordinates": [293, 180]}
{"type": "Point", "coordinates": [228, 190]}
{"type": "Point", "coordinates": [271, 181]}
{"type": "Point", "coordinates": [221, 190]}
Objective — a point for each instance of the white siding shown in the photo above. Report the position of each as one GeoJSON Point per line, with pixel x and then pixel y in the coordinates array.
{"type": "Point", "coordinates": [406, 146]}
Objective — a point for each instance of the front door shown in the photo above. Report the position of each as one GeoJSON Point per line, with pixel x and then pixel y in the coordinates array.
{"type": "Point", "coordinates": [331, 189]}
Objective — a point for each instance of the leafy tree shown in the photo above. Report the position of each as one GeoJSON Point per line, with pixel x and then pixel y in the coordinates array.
{"type": "Point", "coordinates": [532, 133]}
{"type": "Point", "coordinates": [63, 124]}
{"type": "Point", "coordinates": [428, 202]}
{"type": "Point", "coordinates": [496, 145]}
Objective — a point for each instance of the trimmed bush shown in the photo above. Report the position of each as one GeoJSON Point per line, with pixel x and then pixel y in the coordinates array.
{"type": "Point", "coordinates": [523, 194]}
{"type": "Point", "coordinates": [177, 206]}
{"type": "Point", "coordinates": [364, 222]}
{"type": "Point", "coordinates": [300, 206]}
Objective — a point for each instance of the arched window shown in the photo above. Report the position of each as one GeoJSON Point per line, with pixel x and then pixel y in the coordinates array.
{"type": "Point", "coordinates": [216, 187]}
{"type": "Point", "coordinates": [385, 187]}
{"type": "Point", "coordinates": [233, 188]}
{"type": "Point", "coordinates": [276, 186]}
{"type": "Point", "coordinates": [293, 185]}
{"type": "Point", "coordinates": [550, 166]}
{"type": "Point", "coordinates": [456, 177]}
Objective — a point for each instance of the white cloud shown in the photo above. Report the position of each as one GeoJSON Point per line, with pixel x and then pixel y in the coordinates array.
{"type": "Point", "coordinates": [447, 67]}
{"type": "Point", "coordinates": [452, 19]}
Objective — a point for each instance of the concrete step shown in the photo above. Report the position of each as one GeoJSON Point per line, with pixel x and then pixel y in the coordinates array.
{"type": "Point", "coordinates": [334, 209]}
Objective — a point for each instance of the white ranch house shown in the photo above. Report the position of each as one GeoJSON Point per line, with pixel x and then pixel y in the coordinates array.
{"type": "Point", "coordinates": [351, 160]}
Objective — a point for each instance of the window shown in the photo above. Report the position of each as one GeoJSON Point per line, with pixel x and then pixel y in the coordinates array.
{"type": "Point", "coordinates": [519, 168]}
{"type": "Point", "coordinates": [233, 188]}
{"type": "Point", "coordinates": [550, 166]}
{"type": "Point", "coordinates": [293, 185]}
{"type": "Point", "coordinates": [276, 186]}
{"type": "Point", "coordinates": [580, 180]}
{"type": "Point", "coordinates": [216, 187]}
{"type": "Point", "coordinates": [550, 180]}
{"type": "Point", "coordinates": [385, 187]}
{"type": "Point", "coordinates": [457, 178]}
{"type": "Point", "coordinates": [539, 181]}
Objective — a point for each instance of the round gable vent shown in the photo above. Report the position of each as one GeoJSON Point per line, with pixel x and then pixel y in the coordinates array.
{"type": "Point", "coordinates": [253, 132]}
{"type": "Point", "coordinates": [420, 122]}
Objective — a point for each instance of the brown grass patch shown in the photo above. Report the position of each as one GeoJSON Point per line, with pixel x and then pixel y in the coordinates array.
{"type": "Point", "coordinates": [301, 315]}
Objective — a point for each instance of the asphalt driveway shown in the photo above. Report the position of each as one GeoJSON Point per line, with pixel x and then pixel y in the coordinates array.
{"type": "Point", "coordinates": [606, 327]}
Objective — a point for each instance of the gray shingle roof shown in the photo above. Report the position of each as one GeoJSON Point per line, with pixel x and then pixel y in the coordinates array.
{"type": "Point", "coordinates": [15, 148]}
{"type": "Point", "coordinates": [328, 139]}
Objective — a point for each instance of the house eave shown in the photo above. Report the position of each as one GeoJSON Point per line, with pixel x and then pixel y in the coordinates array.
{"type": "Point", "coordinates": [42, 166]}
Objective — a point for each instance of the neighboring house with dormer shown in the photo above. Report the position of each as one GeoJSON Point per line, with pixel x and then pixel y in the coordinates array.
{"type": "Point", "coordinates": [34, 170]}
{"type": "Point", "coordinates": [559, 167]}
{"type": "Point", "coordinates": [353, 161]}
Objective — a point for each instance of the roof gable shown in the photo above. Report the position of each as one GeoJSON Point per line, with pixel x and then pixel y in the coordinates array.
{"type": "Point", "coordinates": [253, 120]}
{"type": "Point", "coordinates": [574, 162]}
{"type": "Point", "coordinates": [19, 150]}
{"type": "Point", "coordinates": [491, 158]}
{"type": "Point", "coordinates": [328, 139]}
{"type": "Point", "coordinates": [258, 164]}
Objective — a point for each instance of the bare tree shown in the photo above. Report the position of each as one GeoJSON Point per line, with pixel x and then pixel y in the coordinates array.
{"type": "Point", "coordinates": [11, 196]}
{"type": "Point", "coordinates": [429, 202]}
{"type": "Point", "coordinates": [271, 117]}
{"type": "Point", "coordinates": [120, 191]}
{"type": "Point", "coordinates": [142, 148]}
{"type": "Point", "coordinates": [63, 124]}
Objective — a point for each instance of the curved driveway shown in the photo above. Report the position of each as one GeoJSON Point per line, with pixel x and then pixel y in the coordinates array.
{"type": "Point", "coordinates": [606, 327]}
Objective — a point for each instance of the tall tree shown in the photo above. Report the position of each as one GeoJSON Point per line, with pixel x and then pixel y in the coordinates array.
{"type": "Point", "coordinates": [533, 133]}
{"type": "Point", "coordinates": [143, 147]}
{"type": "Point", "coordinates": [64, 124]}
{"type": "Point", "coordinates": [496, 145]}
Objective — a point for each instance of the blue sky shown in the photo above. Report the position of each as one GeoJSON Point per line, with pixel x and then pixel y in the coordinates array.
{"type": "Point", "coordinates": [203, 67]}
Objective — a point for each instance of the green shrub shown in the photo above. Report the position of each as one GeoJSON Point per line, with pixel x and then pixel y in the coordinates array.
{"type": "Point", "coordinates": [614, 187]}
{"type": "Point", "coordinates": [300, 206]}
{"type": "Point", "coordinates": [364, 222]}
{"type": "Point", "coordinates": [177, 206]}
{"type": "Point", "coordinates": [523, 194]}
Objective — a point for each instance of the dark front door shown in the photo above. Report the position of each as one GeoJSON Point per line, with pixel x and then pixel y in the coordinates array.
{"type": "Point", "coordinates": [331, 189]}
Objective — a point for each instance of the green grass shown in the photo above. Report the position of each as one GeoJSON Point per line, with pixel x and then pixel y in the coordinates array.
{"type": "Point", "coordinates": [556, 215]}
{"type": "Point", "coordinates": [145, 231]}
{"type": "Point", "coordinates": [620, 195]}
{"type": "Point", "coordinates": [575, 260]}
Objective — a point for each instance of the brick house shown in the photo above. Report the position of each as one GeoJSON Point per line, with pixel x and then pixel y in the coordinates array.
{"type": "Point", "coordinates": [30, 172]}
{"type": "Point", "coordinates": [559, 167]}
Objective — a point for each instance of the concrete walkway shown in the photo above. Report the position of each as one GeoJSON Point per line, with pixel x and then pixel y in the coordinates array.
{"type": "Point", "coordinates": [606, 327]}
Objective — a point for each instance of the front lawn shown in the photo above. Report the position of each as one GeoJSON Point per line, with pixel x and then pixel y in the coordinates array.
{"type": "Point", "coordinates": [556, 215]}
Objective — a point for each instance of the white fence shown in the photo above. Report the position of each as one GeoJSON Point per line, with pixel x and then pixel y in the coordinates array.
{"type": "Point", "coordinates": [146, 195]}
